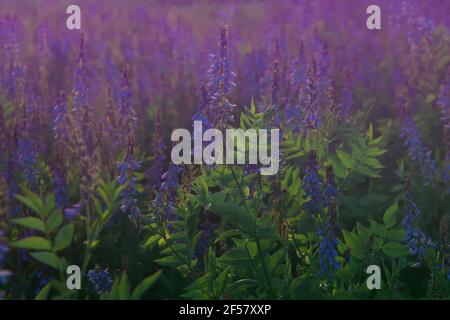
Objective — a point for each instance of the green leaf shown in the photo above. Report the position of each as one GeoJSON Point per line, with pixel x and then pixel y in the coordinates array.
{"type": "Point", "coordinates": [357, 247]}
{"type": "Point", "coordinates": [375, 152]}
{"type": "Point", "coordinates": [395, 250]}
{"type": "Point", "coordinates": [377, 229]}
{"type": "Point", "coordinates": [235, 257]}
{"type": "Point", "coordinates": [180, 248]}
{"type": "Point", "coordinates": [363, 232]}
{"type": "Point", "coordinates": [370, 131]}
{"type": "Point", "coordinates": [372, 163]}
{"type": "Point", "coordinates": [43, 294]}
{"type": "Point", "coordinates": [170, 261]}
{"type": "Point", "coordinates": [146, 284]}
{"type": "Point", "coordinates": [114, 293]}
{"type": "Point", "coordinates": [32, 243]}
{"type": "Point", "coordinates": [346, 159]}
{"type": "Point", "coordinates": [390, 216]}
{"type": "Point", "coordinates": [47, 258]}
{"type": "Point", "coordinates": [228, 234]}
{"type": "Point", "coordinates": [369, 172]}
{"type": "Point", "coordinates": [338, 169]}
{"type": "Point", "coordinates": [242, 284]}
{"type": "Point", "coordinates": [123, 287]}
{"type": "Point", "coordinates": [64, 237]}
{"type": "Point", "coordinates": [55, 220]}
{"type": "Point", "coordinates": [396, 235]}
{"type": "Point", "coordinates": [296, 182]}
{"type": "Point", "coordinates": [30, 223]}
{"type": "Point", "coordinates": [220, 282]}
{"type": "Point", "coordinates": [32, 201]}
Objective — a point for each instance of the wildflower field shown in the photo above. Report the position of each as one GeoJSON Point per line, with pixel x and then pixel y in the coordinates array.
{"type": "Point", "coordinates": [86, 176]}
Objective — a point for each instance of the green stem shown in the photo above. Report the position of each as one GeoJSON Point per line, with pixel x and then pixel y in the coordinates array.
{"type": "Point", "coordinates": [258, 244]}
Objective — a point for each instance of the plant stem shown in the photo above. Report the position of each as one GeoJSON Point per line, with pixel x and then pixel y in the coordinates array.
{"type": "Point", "coordinates": [258, 244]}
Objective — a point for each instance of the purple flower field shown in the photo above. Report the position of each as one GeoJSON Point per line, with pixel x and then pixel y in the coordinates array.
{"type": "Point", "coordinates": [87, 176]}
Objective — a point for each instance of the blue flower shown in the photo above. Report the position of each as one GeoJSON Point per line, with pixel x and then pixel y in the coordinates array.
{"type": "Point", "coordinates": [418, 243]}
{"type": "Point", "coordinates": [346, 101]}
{"type": "Point", "coordinates": [126, 107]}
{"type": "Point", "coordinates": [60, 132]}
{"type": "Point", "coordinates": [43, 278]}
{"type": "Point", "coordinates": [127, 169]}
{"type": "Point", "coordinates": [27, 154]}
{"type": "Point", "coordinates": [311, 112]}
{"type": "Point", "coordinates": [275, 90]}
{"type": "Point", "coordinates": [156, 170]}
{"type": "Point", "coordinates": [312, 185]}
{"type": "Point", "coordinates": [418, 151]}
{"type": "Point", "coordinates": [165, 201]}
{"type": "Point", "coordinates": [73, 212]}
{"type": "Point", "coordinates": [328, 250]}
{"type": "Point", "coordinates": [80, 87]}
{"type": "Point", "coordinates": [60, 186]}
{"type": "Point", "coordinates": [221, 83]}
{"type": "Point", "coordinates": [443, 102]}
{"type": "Point", "coordinates": [100, 279]}
{"type": "Point", "coordinates": [297, 83]}
{"type": "Point", "coordinates": [327, 231]}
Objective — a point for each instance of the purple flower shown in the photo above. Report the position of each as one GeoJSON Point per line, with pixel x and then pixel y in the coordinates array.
{"type": "Point", "coordinates": [204, 112]}
{"type": "Point", "coordinates": [443, 103]}
{"type": "Point", "coordinates": [418, 151]}
{"type": "Point", "coordinates": [60, 133]}
{"type": "Point", "coordinates": [312, 185]}
{"type": "Point", "coordinates": [100, 279]}
{"type": "Point", "coordinates": [4, 274]}
{"type": "Point", "coordinates": [165, 200]}
{"type": "Point", "coordinates": [27, 156]}
{"type": "Point", "coordinates": [43, 278]}
{"type": "Point", "coordinates": [127, 169]}
{"type": "Point", "coordinates": [323, 74]}
{"type": "Point", "coordinates": [156, 170]}
{"type": "Point", "coordinates": [3, 251]}
{"type": "Point", "coordinates": [311, 115]}
{"type": "Point", "coordinates": [126, 108]}
{"type": "Point", "coordinates": [73, 212]}
{"type": "Point", "coordinates": [415, 238]}
{"type": "Point", "coordinates": [80, 87]}
{"type": "Point", "coordinates": [328, 250]}
{"type": "Point", "coordinates": [221, 83]}
{"type": "Point", "coordinates": [296, 83]}
{"type": "Point", "coordinates": [327, 231]}
{"type": "Point", "coordinates": [275, 92]}
{"type": "Point", "coordinates": [346, 101]}
{"type": "Point", "coordinates": [60, 187]}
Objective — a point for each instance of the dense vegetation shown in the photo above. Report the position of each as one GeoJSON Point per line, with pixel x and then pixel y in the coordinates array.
{"type": "Point", "coordinates": [85, 171]}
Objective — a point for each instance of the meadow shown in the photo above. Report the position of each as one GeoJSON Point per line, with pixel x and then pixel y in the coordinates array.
{"type": "Point", "coordinates": [86, 176]}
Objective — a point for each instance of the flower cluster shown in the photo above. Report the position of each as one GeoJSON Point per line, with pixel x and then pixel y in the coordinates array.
{"type": "Point", "coordinates": [417, 241]}
{"type": "Point", "coordinates": [311, 115]}
{"type": "Point", "coordinates": [443, 103]}
{"type": "Point", "coordinates": [328, 229]}
{"type": "Point", "coordinates": [100, 279]}
{"type": "Point", "coordinates": [156, 170]}
{"type": "Point", "coordinates": [221, 83]}
{"type": "Point", "coordinates": [127, 169]}
{"type": "Point", "coordinates": [4, 274]}
{"type": "Point", "coordinates": [418, 151]}
{"type": "Point", "coordinates": [165, 200]}
{"type": "Point", "coordinates": [80, 86]}
{"type": "Point", "coordinates": [312, 184]}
